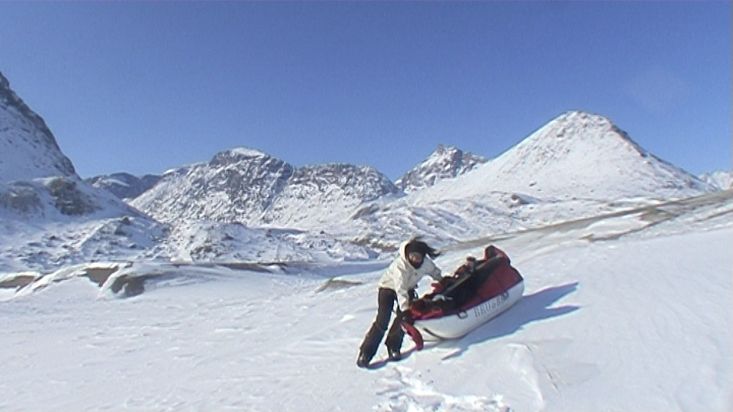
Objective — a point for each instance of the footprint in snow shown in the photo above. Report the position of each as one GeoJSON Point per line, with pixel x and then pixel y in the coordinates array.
{"type": "Point", "coordinates": [406, 392]}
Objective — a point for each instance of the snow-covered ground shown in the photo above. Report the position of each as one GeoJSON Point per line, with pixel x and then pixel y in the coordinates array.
{"type": "Point", "coordinates": [627, 312]}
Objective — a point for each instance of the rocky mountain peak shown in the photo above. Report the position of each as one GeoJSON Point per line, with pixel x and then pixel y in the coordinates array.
{"type": "Point", "coordinates": [239, 154]}
{"type": "Point", "coordinates": [444, 163]}
{"type": "Point", "coordinates": [577, 125]}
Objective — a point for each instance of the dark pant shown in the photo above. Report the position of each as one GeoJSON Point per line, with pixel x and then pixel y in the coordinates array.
{"type": "Point", "coordinates": [386, 300]}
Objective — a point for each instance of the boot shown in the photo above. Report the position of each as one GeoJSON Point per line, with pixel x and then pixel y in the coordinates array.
{"type": "Point", "coordinates": [363, 360]}
{"type": "Point", "coordinates": [394, 354]}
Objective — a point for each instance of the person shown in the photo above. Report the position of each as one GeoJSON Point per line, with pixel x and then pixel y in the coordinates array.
{"type": "Point", "coordinates": [398, 284]}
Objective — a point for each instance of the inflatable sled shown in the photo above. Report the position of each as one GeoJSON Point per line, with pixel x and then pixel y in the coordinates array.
{"type": "Point", "coordinates": [477, 292]}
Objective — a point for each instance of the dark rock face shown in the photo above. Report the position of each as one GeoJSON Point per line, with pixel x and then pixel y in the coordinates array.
{"type": "Point", "coordinates": [69, 200]}
{"type": "Point", "coordinates": [21, 198]}
{"type": "Point", "coordinates": [66, 195]}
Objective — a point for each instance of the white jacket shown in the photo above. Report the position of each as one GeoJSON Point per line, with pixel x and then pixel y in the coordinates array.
{"type": "Point", "coordinates": [400, 276]}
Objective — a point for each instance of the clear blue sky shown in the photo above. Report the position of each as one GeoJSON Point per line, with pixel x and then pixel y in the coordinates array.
{"type": "Point", "coordinates": [144, 87]}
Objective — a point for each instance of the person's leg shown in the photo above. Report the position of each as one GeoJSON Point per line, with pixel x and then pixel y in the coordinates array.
{"type": "Point", "coordinates": [394, 338]}
{"type": "Point", "coordinates": [369, 346]}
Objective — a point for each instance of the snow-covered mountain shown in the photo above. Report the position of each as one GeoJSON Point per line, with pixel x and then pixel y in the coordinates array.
{"type": "Point", "coordinates": [28, 149]}
{"type": "Point", "coordinates": [124, 185]}
{"type": "Point", "coordinates": [251, 187]}
{"type": "Point", "coordinates": [444, 163]}
{"type": "Point", "coordinates": [576, 155]}
{"type": "Point", "coordinates": [720, 179]}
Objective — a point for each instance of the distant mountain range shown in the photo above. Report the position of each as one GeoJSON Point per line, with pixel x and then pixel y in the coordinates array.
{"type": "Point", "coordinates": [246, 204]}
{"type": "Point", "coordinates": [444, 163]}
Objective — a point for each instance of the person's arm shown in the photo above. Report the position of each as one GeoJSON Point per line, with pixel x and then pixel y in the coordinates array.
{"type": "Point", "coordinates": [432, 270]}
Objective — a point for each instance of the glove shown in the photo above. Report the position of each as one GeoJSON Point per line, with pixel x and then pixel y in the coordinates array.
{"type": "Point", "coordinates": [490, 252]}
{"type": "Point", "coordinates": [412, 295]}
{"type": "Point", "coordinates": [441, 298]}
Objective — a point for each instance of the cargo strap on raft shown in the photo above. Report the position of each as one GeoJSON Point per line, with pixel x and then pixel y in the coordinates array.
{"type": "Point", "coordinates": [414, 334]}
{"type": "Point", "coordinates": [410, 329]}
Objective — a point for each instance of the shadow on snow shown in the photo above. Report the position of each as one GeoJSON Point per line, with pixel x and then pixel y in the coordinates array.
{"type": "Point", "coordinates": [530, 308]}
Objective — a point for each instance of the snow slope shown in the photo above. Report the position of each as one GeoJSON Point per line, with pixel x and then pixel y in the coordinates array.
{"type": "Point", "coordinates": [622, 312]}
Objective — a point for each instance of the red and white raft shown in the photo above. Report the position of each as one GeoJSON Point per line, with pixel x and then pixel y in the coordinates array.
{"type": "Point", "coordinates": [477, 292]}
